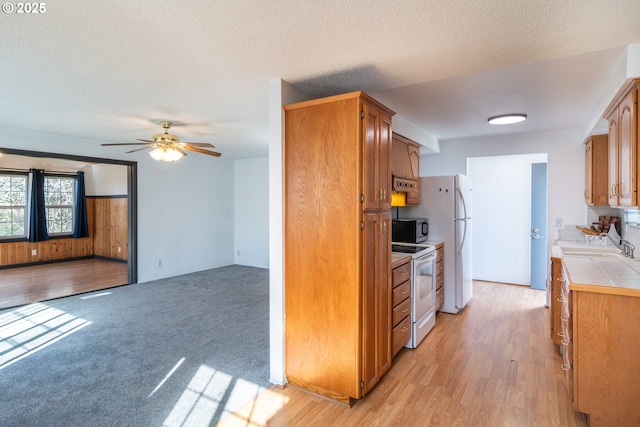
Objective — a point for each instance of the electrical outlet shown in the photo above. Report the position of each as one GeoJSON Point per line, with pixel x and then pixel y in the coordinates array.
{"type": "Point", "coordinates": [34, 252]}
{"type": "Point", "coordinates": [119, 249]}
{"type": "Point", "coordinates": [559, 222]}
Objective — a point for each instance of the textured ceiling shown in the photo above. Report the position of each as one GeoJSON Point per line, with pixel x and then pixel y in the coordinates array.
{"type": "Point", "coordinates": [111, 71]}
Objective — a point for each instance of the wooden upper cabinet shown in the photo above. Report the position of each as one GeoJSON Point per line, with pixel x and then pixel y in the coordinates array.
{"type": "Point", "coordinates": [405, 164]}
{"type": "Point", "coordinates": [376, 156]}
{"type": "Point", "coordinates": [596, 170]}
{"type": "Point", "coordinates": [622, 116]}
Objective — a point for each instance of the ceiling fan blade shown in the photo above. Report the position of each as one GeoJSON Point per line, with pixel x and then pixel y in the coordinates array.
{"type": "Point", "coordinates": [138, 149]}
{"type": "Point", "coordinates": [125, 143]}
{"type": "Point", "coordinates": [144, 140]}
{"type": "Point", "coordinates": [200, 144]}
{"type": "Point", "coordinates": [180, 150]}
{"type": "Point", "coordinates": [201, 151]}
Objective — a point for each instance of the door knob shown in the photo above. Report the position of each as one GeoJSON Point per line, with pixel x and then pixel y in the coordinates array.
{"type": "Point", "coordinates": [536, 236]}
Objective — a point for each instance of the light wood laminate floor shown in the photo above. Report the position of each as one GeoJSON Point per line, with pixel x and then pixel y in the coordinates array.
{"type": "Point", "coordinates": [493, 365]}
{"type": "Point", "coordinates": [25, 285]}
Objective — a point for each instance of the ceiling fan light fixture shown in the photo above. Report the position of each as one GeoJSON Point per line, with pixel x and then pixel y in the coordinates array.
{"type": "Point", "coordinates": [166, 154]}
{"type": "Point", "coordinates": [507, 119]}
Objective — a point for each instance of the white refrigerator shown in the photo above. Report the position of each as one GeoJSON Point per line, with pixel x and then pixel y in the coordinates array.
{"type": "Point", "coordinates": [446, 202]}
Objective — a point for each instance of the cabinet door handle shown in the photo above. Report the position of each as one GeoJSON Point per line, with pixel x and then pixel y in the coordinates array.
{"type": "Point", "coordinates": [404, 329]}
{"type": "Point", "coordinates": [561, 334]}
{"type": "Point", "coordinates": [563, 342]}
{"type": "Point", "coordinates": [405, 292]}
{"type": "Point", "coordinates": [561, 299]}
{"type": "Point", "coordinates": [565, 366]}
{"type": "Point", "coordinates": [404, 310]}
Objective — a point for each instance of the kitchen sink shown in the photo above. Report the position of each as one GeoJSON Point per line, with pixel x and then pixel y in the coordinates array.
{"type": "Point", "coordinates": [592, 252]}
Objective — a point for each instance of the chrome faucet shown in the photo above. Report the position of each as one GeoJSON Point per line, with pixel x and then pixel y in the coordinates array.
{"type": "Point", "coordinates": [625, 246]}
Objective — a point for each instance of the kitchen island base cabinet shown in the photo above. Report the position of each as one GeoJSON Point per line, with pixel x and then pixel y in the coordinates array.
{"type": "Point", "coordinates": [337, 240]}
{"type": "Point", "coordinates": [606, 357]}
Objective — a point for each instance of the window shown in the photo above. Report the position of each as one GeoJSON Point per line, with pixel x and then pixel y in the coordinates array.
{"type": "Point", "coordinates": [59, 201]}
{"type": "Point", "coordinates": [13, 202]}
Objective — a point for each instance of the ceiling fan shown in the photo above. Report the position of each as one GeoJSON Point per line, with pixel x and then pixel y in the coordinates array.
{"type": "Point", "coordinates": [167, 147]}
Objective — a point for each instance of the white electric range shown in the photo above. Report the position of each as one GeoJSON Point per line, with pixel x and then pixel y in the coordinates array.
{"type": "Point", "coordinates": [423, 288]}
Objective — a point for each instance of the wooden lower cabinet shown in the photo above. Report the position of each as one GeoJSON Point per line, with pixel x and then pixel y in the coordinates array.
{"type": "Point", "coordinates": [555, 305]}
{"type": "Point", "coordinates": [606, 358]}
{"type": "Point", "coordinates": [376, 299]}
{"type": "Point", "coordinates": [401, 302]}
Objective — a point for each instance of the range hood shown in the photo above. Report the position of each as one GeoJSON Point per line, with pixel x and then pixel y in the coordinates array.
{"type": "Point", "coordinates": [403, 170]}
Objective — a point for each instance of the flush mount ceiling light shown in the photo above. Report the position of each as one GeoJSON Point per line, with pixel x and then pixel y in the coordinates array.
{"type": "Point", "coordinates": [507, 119]}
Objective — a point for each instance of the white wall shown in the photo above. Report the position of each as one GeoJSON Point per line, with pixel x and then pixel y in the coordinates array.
{"type": "Point", "coordinates": [280, 93]}
{"type": "Point", "coordinates": [565, 168]}
{"type": "Point", "coordinates": [251, 208]}
{"type": "Point", "coordinates": [185, 216]}
{"type": "Point", "coordinates": [107, 180]}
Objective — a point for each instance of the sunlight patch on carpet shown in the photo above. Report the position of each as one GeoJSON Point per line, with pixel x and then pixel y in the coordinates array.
{"type": "Point", "coordinates": [211, 395]}
{"type": "Point", "coordinates": [31, 328]}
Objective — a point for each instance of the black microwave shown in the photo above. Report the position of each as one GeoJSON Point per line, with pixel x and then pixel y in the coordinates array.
{"type": "Point", "coordinates": [409, 230]}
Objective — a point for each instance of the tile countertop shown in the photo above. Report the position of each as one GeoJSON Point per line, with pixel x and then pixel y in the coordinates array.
{"type": "Point", "coordinates": [602, 275]}
{"type": "Point", "coordinates": [397, 259]}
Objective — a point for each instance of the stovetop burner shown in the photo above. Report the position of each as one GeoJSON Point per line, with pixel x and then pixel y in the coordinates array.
{"type": "Point", "coordinates": [407, 249]}
{"type": "Point", "coordinates": [412, 248]}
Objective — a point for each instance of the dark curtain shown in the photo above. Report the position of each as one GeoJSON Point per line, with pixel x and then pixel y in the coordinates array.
{"type": "Point", "coordinates": [37, 211]}
{"type": "Point", "coordinates": [80, 223]}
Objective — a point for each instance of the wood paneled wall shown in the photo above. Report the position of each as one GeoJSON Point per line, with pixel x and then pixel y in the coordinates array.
{"type": "Point", "coordinates": [108, 230]}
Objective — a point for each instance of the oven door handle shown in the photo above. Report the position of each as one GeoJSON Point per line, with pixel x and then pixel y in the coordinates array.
{"type": "Point", "coordinates": [430, 257]}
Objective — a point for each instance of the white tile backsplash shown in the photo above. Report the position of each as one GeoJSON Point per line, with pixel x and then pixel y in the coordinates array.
{"type": "Point", "coordinates": [632, 234]}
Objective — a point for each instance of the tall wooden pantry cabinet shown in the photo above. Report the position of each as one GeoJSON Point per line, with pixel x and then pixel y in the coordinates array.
{"type": "Point", "coordinates": [337, 240]}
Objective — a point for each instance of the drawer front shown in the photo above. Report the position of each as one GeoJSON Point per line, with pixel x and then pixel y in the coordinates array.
{"type": "Point", "coordinates": [401, 274]}
{"type": "Point", "coordinates": [567, 367]}
{"type": "Point", "coordinates": [401, 310]}
{"type": "Point", "coordinates": [440, 252]}
{"type": "Point", "coordinates": [439, 267]}
{"type": "Point", "coordinates": [400, 335]}
{"type": "Point", "coordinates": [439, 281]}
{"type": "Point", "coordinates": [401, 293]}
{"type": "Point", "coordinates": [439, 298]}
{"type": "Point", "coordinates": [565, 332]}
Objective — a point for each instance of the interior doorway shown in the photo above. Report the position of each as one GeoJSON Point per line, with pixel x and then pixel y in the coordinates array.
{"type": "Point", "coordinates": [502, 217]}
{"type": "Point", "coordinates": [109, 172]}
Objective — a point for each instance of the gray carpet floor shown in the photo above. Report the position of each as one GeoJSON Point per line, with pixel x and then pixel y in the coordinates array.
{"type": "Point", "coordinates": [182, 351]}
